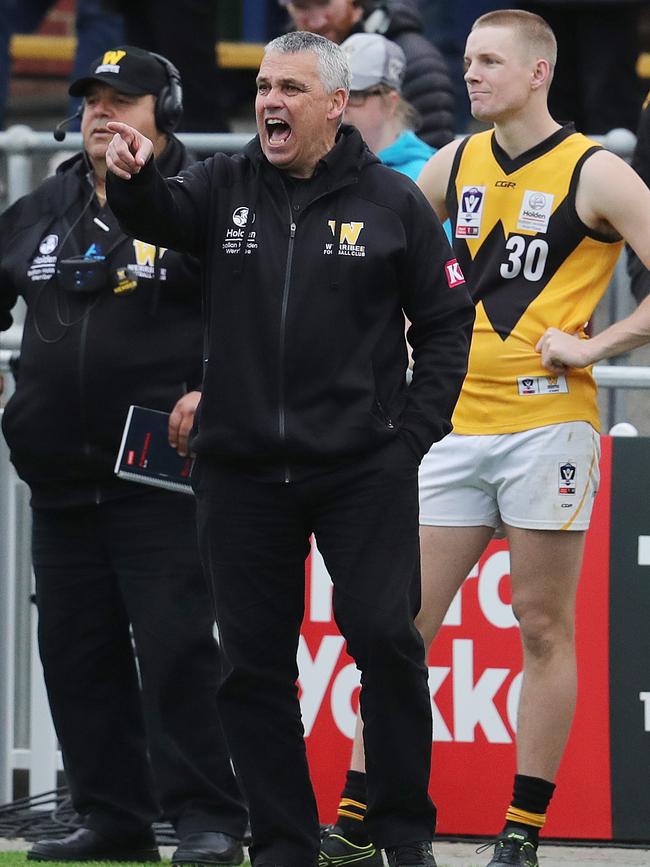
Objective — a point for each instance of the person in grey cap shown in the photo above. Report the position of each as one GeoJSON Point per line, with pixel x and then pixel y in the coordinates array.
{"type": "Point", "coordinates": [376, 105]}
{"type": "Point", "coordinates": [116, 563]}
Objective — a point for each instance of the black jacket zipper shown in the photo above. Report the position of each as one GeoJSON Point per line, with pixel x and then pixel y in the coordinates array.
{"type": "Point", "coordinates": [282, 422]}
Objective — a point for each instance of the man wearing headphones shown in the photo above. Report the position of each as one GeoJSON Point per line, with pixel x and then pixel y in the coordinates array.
{"type": "Point", "coordinates": [110, 323]}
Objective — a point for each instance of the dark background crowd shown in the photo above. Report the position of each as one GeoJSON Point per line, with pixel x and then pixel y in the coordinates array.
{"type": "Point", "coordinates": [599, 84]}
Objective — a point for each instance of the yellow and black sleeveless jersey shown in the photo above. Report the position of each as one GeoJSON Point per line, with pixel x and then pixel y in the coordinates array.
{"type": "Point", "coordinates": [530, 263]}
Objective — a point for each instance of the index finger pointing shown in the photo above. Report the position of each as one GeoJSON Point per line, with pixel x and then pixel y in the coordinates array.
{"type": "Point", "coordinates": [122, 129]}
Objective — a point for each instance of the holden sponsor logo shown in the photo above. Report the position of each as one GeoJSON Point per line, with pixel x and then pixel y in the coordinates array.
{"type": "Point", "coordinates": [48, 245]}
{"type": "Point", "coordinates": [43, 265]}
{"type": "Point", "coordinates": [235, 237]}
{"type": "Point", "coordinates": [535, 211]}
{"type": "Point", "coordinates": [240, 216]}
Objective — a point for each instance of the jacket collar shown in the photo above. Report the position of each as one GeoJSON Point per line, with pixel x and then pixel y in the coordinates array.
{"type": "Point", "coordinates": [341, 165]}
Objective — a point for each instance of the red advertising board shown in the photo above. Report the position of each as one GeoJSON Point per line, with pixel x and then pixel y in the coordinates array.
{"type": "Point", "coordinates": [475, 679]}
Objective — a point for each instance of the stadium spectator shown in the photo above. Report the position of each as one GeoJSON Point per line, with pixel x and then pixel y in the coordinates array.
{"type": "Point", "coordinates": [95, 28]}
{"type": "Point", "coordinates": [426, 86]}
{"type": "Point", "coordinates": [376, 106]}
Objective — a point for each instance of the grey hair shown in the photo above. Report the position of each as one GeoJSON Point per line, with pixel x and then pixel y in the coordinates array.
{"type": "Point", "coordinates": [332, 63]}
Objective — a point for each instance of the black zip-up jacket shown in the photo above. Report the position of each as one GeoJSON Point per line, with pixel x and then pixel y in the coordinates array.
{"type": "Point", "coordinates": [306, 353]}
{"type": "Point", "coordinates": [86, 358]}
{"type": "Point", "coordinates": [427, 83]}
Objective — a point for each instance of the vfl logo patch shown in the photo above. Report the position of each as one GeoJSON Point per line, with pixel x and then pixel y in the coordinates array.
{"type": "Point", "coordinates": [542, 385]}
{"type": "Point", "coordinates": [470, 212]}
{"type": "Point", "coordinates": [453, 273]}
{"type": "Point", "coordinates": [567, 472]}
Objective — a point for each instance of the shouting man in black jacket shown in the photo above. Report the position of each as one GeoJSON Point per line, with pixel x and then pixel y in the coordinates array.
{"type": "Point", "coordinates": [113, 321]}
{"type": "Point", "coordinates": [312, 252]}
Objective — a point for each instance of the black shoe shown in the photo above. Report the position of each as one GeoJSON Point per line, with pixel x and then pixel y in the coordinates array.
{"type": "Point", "coordinates": [87, 845]}
{"type": "Point", "coordinates": [209, 847]}
{"type": "Point", "coordinates": [336, 850]}
{"type": "Point", "coordinates": [411, 855]}
{"type": "Point", "coordinates": [513, 847]}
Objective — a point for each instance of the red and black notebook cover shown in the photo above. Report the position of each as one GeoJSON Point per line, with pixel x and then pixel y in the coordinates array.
{"type": "Point", "coordinates": [145, 455]}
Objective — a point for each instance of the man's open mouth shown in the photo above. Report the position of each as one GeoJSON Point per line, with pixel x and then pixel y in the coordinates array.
{"type": "Point", "coordinates": [277, 130]}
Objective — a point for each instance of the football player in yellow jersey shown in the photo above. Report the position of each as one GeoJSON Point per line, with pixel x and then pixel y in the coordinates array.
{"type": "Point", "coordinates": [509, 63]}
{"type": "Point", "coordinates": [539, 214]}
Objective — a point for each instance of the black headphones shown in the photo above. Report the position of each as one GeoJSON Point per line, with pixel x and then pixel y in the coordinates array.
{"type": "Point", "coordinates": [169, 102]}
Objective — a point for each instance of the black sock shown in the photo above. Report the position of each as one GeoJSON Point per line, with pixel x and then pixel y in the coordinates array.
{"type": "Point", "coordinates": [530, 799]}
{"type": "Point", "coordinates": [352, 808]}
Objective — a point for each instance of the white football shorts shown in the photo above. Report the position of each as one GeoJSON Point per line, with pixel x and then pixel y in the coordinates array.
{"type": "Point", "coordinates": [540, 479]}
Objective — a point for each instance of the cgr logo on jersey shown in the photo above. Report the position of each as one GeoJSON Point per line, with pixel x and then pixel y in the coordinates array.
{"type": "Point", "coordinates": [535, 211]}
{"type": "Point", "coordinates": [567, 472]}
{"type": "Point", "coordinates": [348, 237]}
{"type": "Point", "coordinates": [453, 273]}
{"type": "Point", "coordinates": [470, 212]}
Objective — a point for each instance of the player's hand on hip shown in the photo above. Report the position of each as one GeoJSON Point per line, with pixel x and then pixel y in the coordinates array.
{"type": "Point", "coordinates": [128, 150]}
{"type": "Point", "coordinates": [561, 351]}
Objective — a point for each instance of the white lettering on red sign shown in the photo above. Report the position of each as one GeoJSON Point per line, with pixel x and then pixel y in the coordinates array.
{"type": "Point", "coordinates": [645, 698]}
{"type": "Point", "coordinates": [473, 705]}
{"type": "Point", "coordinates": [454, 274]}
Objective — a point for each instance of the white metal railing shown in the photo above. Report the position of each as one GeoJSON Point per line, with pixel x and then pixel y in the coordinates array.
{"type": "Point", "coordinates": [20, 143]}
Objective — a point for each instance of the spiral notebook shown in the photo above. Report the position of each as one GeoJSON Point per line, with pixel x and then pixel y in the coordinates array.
{"type": "Point", "coordinates": [145, 455]}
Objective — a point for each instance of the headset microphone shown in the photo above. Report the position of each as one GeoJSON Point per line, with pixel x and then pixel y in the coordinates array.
{"type": "Point", "coordinates": [59, 133]}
